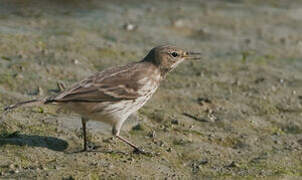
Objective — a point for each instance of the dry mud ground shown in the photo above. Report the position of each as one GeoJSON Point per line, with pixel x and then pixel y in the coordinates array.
{"type": "Point", "coordinates": [237, 114]}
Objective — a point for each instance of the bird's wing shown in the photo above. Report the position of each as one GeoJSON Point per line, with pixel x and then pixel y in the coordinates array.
{"type": "Point", "coordinates": [114, 84]}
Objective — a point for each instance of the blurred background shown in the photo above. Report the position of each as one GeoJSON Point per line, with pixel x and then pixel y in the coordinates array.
{"type": "Point", "coordinates": [237, 113]}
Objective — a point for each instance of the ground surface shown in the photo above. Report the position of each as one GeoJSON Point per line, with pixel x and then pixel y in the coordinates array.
{"type": "Point", "coordinates": [235, 114]}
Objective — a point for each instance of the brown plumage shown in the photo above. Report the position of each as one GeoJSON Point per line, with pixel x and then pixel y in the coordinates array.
{"type": "Point", "coordinates": [111, 95]}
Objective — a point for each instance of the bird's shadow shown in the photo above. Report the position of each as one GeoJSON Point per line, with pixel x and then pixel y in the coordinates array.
{"type": "Point", "coordinates": [33, 141]}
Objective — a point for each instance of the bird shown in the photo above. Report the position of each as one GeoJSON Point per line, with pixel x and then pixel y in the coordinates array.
{"type": "Point", "coordinates": [112, 95]}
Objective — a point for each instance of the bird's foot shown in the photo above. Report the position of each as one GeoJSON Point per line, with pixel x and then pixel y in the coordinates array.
{"type": "Point", "coordinates": [142, 151]}
{"type": "Point", "coordinates": [138, 151]}
{"type": "Point", "coordinates": [90, 147]}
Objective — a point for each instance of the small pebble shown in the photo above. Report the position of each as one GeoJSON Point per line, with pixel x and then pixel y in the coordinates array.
{"type": "Point", "coordinates": [178, 23]}
{"type": "Point", "coordinates": [152, 134]}
{"type": "Point", "coordinates": [233, 164]}
{"type": "Point", "coordinates": [175, 121]}
{"type": "Point", "coordinates": [129, 27]}
{"type": "Point", "coordinates": [75, 61]}
{"type": "Point", "coordinates": [12, 166]}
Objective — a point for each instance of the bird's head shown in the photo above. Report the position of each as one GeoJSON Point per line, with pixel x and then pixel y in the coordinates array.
{"type": "Point", "coordinates": [166, 57]}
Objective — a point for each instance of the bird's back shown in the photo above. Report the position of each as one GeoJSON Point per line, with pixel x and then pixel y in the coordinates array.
{"type": "Point", "coordinates": [115, 92]}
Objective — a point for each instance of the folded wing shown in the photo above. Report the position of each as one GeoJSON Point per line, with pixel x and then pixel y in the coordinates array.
{"type": "Point", "coordinates": [110, 85]}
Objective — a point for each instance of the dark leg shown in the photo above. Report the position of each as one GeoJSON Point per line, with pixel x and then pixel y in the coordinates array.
{"type": "Point", "coordinates": [84, 133]}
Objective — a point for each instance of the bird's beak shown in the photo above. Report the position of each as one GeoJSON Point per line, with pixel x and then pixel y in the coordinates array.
{"type": "Point", "coordinates": [192, 55]}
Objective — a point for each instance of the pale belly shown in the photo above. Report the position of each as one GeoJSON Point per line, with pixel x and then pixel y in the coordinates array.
{"type": "Point", "coordinates": [110, 112]}
{"type": "Point", "coordinates": [117, 112]}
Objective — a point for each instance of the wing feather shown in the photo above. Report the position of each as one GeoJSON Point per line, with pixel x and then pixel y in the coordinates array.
{"type": "Point", "coordinates": [120, 83]}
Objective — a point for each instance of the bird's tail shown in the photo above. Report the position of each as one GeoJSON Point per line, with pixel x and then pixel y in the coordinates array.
{"type": "Point", "coordinates": [34, 102]}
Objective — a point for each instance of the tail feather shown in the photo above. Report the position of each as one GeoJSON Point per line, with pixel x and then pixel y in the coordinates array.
{"type": "Point", "coordinates": [35, 102]}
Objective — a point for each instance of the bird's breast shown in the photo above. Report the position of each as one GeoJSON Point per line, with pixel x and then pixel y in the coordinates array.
{"type": "Point", "coordinates": [121, 110]}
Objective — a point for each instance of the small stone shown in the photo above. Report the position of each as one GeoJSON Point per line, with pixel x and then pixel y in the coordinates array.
{"type": "Point", "coordinates": [12, 166]}
{"type": "Point", "coordinates": [138, 127]}
{"type": "Point", "coordinates": [19, 76]}
{"type": "Point", "coordinates": [212, 117]}
{"type": "Point", "coordinates": [233, 164]}
{"type": "Point", "coordinates": [129, 27]}
{"type": "Point", "coordinates": [110, 166]}
{"type": "Point", "coordinates": [175, 121]}
{"type": "Point", "coordinates": [75, 61]}
{"type": "Point", "coordinates": [178, 23]}
{"type": "Point", "coordinates": [160, 143]}
{"type": "Point", "coordinates": [152, 134]}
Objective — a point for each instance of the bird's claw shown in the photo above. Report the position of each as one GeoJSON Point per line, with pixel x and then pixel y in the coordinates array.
{"type": "Point", "coordinates": [141, 151]}
{"type": "Point", "coordinates": [138, 151]}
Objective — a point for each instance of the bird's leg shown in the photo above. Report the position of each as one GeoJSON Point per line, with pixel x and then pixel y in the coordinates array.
{"type": "Point", "coordinates": [84, 133]}
{"type": "Point", "coordinates": [116, 132]}
{"type": "Point", "coordinates": [136, 149]}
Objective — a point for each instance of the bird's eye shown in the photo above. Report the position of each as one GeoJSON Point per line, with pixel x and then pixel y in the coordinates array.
{"type": "Point", "coordinates": [174, 54]}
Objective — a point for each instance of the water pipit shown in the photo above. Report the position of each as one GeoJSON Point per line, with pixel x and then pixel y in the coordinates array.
{"type": "Point", "coordinates": [110, 96]}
